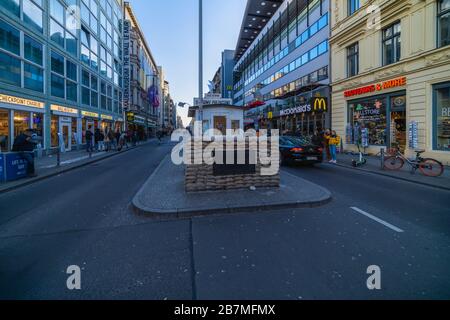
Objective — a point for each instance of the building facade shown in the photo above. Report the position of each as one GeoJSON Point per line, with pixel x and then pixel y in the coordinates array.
{"type": "Point", "coordinates": [282, 65]}
{"type": "Point", "coordinates": [60, 69]}
{"type": "Point", "coordinates": [226, 74]}
{"type": "Point", "coordinates": [391, 75]}
{"type": "Point", "coordinates": [141, 80]}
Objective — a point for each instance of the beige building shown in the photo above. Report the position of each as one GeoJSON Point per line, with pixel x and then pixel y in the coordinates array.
{"type": "Point", "coordinates": [391, 74]}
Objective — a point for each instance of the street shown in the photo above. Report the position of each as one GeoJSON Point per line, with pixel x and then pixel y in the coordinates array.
{"type": "Point", "coordinates": [84, 218]}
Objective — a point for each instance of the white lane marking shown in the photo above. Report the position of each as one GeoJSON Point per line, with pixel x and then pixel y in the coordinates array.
{"type": "Point", "coordinates": [368, 215]}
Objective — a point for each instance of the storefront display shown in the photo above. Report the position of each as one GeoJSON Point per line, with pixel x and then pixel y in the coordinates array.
{"type": "Point", "coordinates": [21, 122]}
{"type": "Point", "coordinates": [442, 117]}
{"type": "Point", "coordinates": [384, 117]}
{"type": "Point", "coordinates": [4, 130]}
{"type": "Point", "coordinates": [54, 129]}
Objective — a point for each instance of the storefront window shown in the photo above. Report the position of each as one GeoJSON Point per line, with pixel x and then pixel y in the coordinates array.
{"type": "Point", "coordinates": [21, 122]}
{"type": "Point", "coordinates": [442, 117]}
{"type": "Point", "coordinates": [54, 129]}
{"type": "Point", "coordinates": [38, 123]}
{"type": "Point", "coordinates": [4, 130]}
{"type": "Point", "coordinates": [74, 132]}
{"type": "Point", "coordinates": [369, 114]}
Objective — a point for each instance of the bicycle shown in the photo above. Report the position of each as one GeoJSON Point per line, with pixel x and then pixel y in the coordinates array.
{"type": "Point", "coordinates": [427, 166]}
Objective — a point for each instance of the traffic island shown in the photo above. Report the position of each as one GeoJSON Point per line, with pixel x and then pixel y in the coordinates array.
{"type": "Point", "coordinates": [164, 196]}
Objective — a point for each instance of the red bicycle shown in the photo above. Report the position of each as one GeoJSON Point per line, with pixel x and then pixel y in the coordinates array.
{"type": "Point", "coordinates": [429, 167]}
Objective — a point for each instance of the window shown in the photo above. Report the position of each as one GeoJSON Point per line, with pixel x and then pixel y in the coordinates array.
{"type": "Point", "coordinates": [441, 122]}
{"type": "Point", "coordinates": [33, 50]}
{"type": "Point", "coordinates": [12, 6]}
{"type": "Point", "coordinates": [32, 15]}
{"type": "Point", "coordinates": [369, 114]}
{"type": "Point", "coordinates": [9, 38]}
{"type": "Point", "coordinates": [9, 69]}
{"type": "Point", "coordinates": [353, 6]}
{"type": "Point", "coordinates": [64, 78]}
{"type": "Point", "coordinates": [443, 23]}
{"type": "Point", "coordinates": [392, 44]}
{"type": "Point", "coordinates": [353, 60]}
{"type": "Point", "coordinates": [33, 77]}
{"type": "Point", "coordinates": [63, 25]}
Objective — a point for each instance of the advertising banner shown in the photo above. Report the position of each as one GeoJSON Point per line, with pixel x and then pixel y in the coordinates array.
{"type": "Point", "coordinates": [15, 166]}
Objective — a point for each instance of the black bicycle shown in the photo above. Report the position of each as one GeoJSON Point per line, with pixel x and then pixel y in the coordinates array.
{"type": "Point", "coordinates": [429, 167]}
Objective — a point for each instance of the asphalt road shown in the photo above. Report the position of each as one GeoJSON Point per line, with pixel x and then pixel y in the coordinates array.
{"type": "Point", "coordinates": [84, 218]}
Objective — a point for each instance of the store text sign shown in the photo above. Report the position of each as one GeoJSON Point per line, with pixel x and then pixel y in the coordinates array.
{"type": "Point", "coordinates": [21, 101]}
{"type": "Point", "coordinates": [89, 114]}
{"type": "Point", "coordinates": [399, 82]}
{"type": "Point", "coordinates": [63, 109]}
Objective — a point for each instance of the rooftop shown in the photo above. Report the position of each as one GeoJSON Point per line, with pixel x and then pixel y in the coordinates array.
{"type": "Point", "coordinates": [257, 14]}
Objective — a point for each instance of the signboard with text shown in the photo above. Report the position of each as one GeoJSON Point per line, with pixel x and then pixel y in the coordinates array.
{"type": "Point", "coordinates": [378, 87]}
{"type": "Point", "coordinates": [126, 64]}
{"type": "Point", "coordinates": [15, 166]}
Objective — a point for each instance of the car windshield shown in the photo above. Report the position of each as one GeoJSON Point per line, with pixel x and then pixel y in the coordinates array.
{"type": "Point", "coordinates": [295, 141]}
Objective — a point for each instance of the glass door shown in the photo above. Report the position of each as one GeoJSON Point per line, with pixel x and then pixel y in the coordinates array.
{"type": "Point", "coordinates": [66, 134]}
{"type": "Point", "coordinates": [398, 127]}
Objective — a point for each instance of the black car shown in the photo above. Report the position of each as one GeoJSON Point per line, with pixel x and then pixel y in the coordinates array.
{"type": "Point", "coordinates": [299, 150]}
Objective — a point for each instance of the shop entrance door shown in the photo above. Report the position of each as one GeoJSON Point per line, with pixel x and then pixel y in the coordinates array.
{"type": "Point", "coordinates": [398, 123]}
{"type": "Point", "coordinates": [66, 135]}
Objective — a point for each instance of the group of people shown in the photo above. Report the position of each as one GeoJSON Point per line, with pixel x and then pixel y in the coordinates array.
{"type": "Point", "coordinates": [330, 141]}
{"type": "Point", "coordinates": [99, 140]}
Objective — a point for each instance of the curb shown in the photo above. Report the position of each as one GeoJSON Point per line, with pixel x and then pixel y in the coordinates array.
{"type": "Point", "coordinates": [64, 170]}
{"type": "Point", "coordinates": [394, 177]}
{"type": "Point", "coordinates": [177, 214]}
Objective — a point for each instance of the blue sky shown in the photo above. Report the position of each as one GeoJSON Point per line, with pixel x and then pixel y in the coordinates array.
{"type": "Point", "coordinates": [171, 30]}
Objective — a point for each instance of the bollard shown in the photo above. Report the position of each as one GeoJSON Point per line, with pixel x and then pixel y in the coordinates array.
{"type": "Point", "coordinates": [382, 158]}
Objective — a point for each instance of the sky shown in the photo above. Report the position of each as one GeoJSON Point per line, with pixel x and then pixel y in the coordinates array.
{"type": "Point", "coordinates": [171, 31]}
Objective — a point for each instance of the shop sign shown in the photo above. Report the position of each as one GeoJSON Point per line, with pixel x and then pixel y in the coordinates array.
{"type": "Point", "coordinates": [126, 64]}
{"type": "Point", "coordinates": [62, 109]}
{"type": "Point", "coordinates": [20, 101]}
{"type": "Point", "coordinates": [270, 115]}
{"type": "Point", "coordinates": [299, 109]}
{"type": "Point", "coordinates": [319, 104]}
{"type": "Point", "coordinates": [399, 82]}
{"type": "Point", "coordinates": [119, 119]}
{"type": "Point", "coordinates": [106, 117]}
{"type": "Point", "coordinates": [130, 116]}
{"type": "Point", "coordinates": [139, 120]}
{"type": "Point", "coordinates": [89, 114]}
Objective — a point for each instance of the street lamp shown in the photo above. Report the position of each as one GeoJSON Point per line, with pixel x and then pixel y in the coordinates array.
{"type": "Point", "coordinates": [183, 104]}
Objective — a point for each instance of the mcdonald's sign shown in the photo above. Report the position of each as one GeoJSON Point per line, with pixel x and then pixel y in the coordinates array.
{"type": "Point", "coordinates": [319, 104]}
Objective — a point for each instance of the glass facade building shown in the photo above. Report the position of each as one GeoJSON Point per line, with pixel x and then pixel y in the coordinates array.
{"type": "Point", "coordinates": [60, 69]}
{"type": "Point", "coordinates": [283, 65]}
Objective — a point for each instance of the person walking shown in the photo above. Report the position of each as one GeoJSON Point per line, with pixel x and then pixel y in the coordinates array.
{"type": "Point", "coordinates": [326, 143]}
{"type": "Point", "coordinates": [107, 140]}
{"type": "Point", "coordinates": [101, 141]}
{"type": "Point", "coordinates": [334, 142]}
{"type": "Point", "coordinates": [89, 136]}
{"type": "Point", "coordinates": [25, 145]}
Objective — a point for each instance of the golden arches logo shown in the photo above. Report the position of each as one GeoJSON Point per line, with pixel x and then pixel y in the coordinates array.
{"type": "Point", "coordinates": [320, 104]}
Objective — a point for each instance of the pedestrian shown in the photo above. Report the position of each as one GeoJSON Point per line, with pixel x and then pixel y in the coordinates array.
{"type": "Point", "coordinates": [326, 143]}
{"type": "Point", "coordinates": [334, 142]}
{"type": "Point", "coordinates": [97, 138]}
{"type": "Point", "coordinates": [101, 141]}
{"type": "Point", "coordinates": [88, 136]}
{"type": "Point", "coordinates": [117, 138]}
{"type": "Point", "coordinates": [25, 143]}
{"type": "Point", "coordinates": [107, 140]}
{"type": "Point", "coordinates": [317, 139]}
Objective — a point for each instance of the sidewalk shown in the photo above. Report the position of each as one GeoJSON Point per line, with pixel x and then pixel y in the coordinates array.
{"type": "Point", "coordinates": [163, 196]}
{"type": "Point", "coordinates": [47, 167]}
{"type": "Point", "coordinates": [374, 166]}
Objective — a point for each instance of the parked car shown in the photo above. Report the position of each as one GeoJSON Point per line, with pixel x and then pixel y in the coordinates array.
{"type": "Point", "coordinates": [295, 150]}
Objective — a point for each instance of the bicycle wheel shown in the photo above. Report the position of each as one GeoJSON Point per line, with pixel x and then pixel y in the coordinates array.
{"type": "Point", "coordinates": [431, 168]}
{"type": "Point", "coordinates": [394, 163]}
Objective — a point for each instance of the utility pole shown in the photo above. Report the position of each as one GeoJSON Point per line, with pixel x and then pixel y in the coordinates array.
{"type": "Point", "coordinates": [200, 63]}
